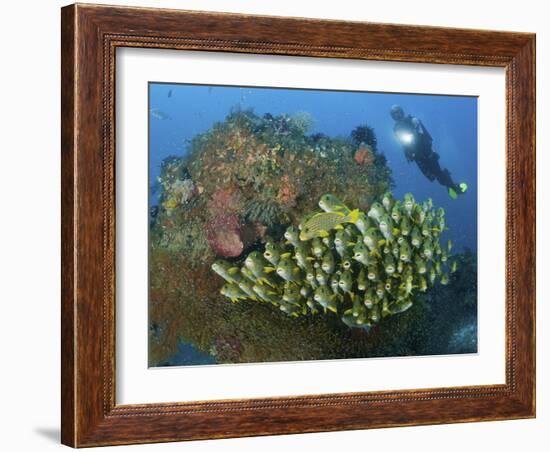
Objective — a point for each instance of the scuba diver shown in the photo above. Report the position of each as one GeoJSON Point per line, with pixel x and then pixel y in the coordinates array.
{"type": "Point", "coordinates": [417, 145]}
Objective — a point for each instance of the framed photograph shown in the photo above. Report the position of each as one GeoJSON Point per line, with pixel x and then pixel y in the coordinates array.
{"type": "Point", "coordinates": [281, 225]}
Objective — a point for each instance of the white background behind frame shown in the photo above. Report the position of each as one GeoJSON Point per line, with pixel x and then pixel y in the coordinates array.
{"type": "Point", "coordinates": [138, 384]}
{"type": "Point", "coordinates": [38, 429]}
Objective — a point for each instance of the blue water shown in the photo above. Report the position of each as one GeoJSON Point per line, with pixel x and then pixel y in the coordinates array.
{"type": "Point", "coordinates": [187, 354]}
{"type": "Point", "coordinates": [451, 121]}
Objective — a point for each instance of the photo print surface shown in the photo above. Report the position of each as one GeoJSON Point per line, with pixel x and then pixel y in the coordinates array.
{"type": "Point", "coordinates": [298, 225]}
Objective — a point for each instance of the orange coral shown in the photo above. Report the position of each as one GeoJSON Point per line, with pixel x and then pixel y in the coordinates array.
{"type": "Point", "coordinates": [226, 201]}
{"type": "Point", "coordinates": [364, 155]}
{"type": "Point", "coordinates": [224, 235]}
{"type": "Point", "coordinates": [287, 193]}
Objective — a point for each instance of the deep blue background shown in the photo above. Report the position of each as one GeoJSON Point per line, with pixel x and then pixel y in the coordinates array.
{"type": "Point", "coordinates": [451, 121]}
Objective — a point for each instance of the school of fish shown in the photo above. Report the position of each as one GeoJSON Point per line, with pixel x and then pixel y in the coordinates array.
{"type": "Point", "coordinates": [361, 266]}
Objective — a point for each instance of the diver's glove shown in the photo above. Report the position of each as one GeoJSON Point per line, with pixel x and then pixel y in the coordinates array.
{"type": "Point", "coordinates": [462, 188]}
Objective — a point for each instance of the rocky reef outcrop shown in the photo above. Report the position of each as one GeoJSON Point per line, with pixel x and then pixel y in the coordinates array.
{"type": "Point", "coordinates": [238, 186]}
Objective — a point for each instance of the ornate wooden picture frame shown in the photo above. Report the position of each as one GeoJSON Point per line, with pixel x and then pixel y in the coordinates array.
{"type": "Point", "coordinates": [90, 37]}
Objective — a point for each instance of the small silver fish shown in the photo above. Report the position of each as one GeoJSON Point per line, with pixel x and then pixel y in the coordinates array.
{"type": "Point", "coordinates": [288, 271]}
{"type": "Point", "coordinates": [372, 238]}
{"type": "Point", "coordinates": [385, 226]}
{"type": "Point", "coordinates": [370, 299]}
{"type": "Point", "coordinates": [292, 234]}
{"type": "Point", "coordinates": [361, 253]}
{"type": "Point", "coordinates": [376, 211]}
{"type": "Point", "coordinates": [159, 114]}
{"type": "Point", "coordinates": [330, 203]}
{"type": "Point", "coordinates": [328, 264]}
{"type": "Point", "coordinates": [387, 201]}
{"type": "Point", "coordinates": [362, 280]}
{"type": "Point", "coordinates": [321, 277]}
{"type": "Point", "coordinates": [389, 265]}
{"type": "Point", "coordinates": [226, 271]}
{"type": "Point", "coordinates": [346, 281]}
{"type": "Point", "coordinates": [325, 297]}
{"type": "Point", "coordinates": [408, 203]}
{"type": "Point", "coordinates": [372, 274]}
{"type": "Point", "coordinates": [233, 292]}
{"type": "Point", "coordinates": [317, 247]}
{"type": "Point", "coordinates": [335, 283]}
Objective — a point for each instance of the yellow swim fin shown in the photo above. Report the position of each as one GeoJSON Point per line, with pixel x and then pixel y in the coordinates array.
{"type": "Point", "coordinates": [462, 186]}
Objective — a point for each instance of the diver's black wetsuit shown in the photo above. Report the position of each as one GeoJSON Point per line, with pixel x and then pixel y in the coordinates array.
{"type": "Point", "coordinates": [417, 144]}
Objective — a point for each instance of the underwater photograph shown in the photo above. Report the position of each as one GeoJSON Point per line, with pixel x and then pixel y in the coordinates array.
{"type": "Point", "coordinates": [301, 224]}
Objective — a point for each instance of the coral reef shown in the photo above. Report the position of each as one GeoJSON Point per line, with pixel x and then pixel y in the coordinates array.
{"type": "Point", "coordinates": [225, 201]}
{"type": "Point", "coordinates": [364, 155]}
{"type": "Point", "coordinates": [253, 176]}
{"type": "Point", "coordinates": [360, 266]}
{"type": "Point", "coordinates": [264, 171]}
{"type": "Point", "coordinates": [302, 121]}
{"type": "Point", "coordinates": [261, 211]}
{"type": "Point", "coordinates": [224, 235]}
{"type": "Point", "coordinates": [176, 184]}
{"type": "Point", "coordinates": [364, 135]}
{"type": "Point", "coordinates": [226, 348]}
{"type": "Point", "coordinates": [191, 310]}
